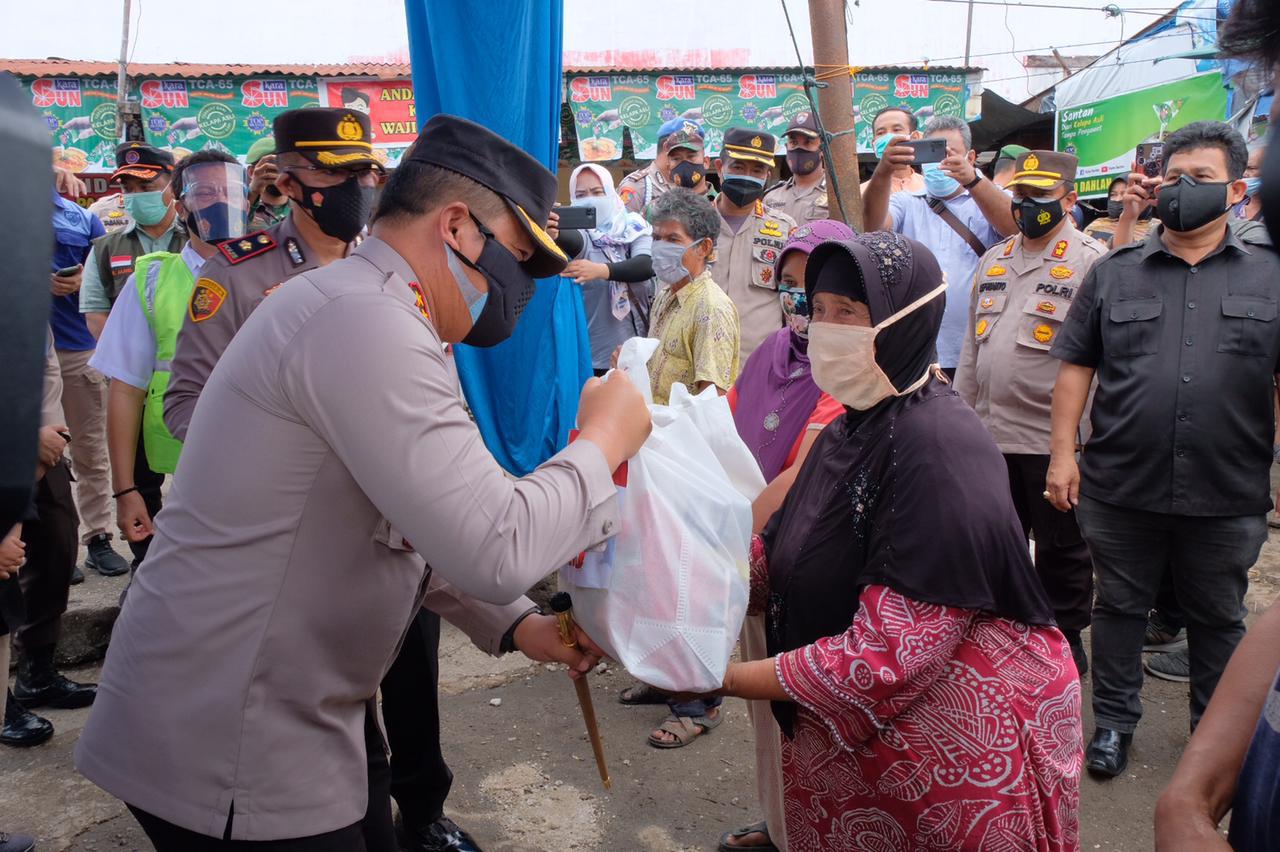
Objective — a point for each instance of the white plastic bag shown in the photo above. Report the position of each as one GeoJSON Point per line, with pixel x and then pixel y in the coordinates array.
{"type": "Point", "coordinates": [668, 596]}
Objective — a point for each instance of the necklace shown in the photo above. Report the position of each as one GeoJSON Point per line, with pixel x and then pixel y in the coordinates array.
{"type": "Point", "coordinates": [773, 419]}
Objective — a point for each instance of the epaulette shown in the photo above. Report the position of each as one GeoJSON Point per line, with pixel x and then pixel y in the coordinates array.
{"type": "Point", "coordinates": [250, 245]}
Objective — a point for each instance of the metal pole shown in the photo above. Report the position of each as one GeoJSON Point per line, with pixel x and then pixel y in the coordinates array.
{"type": "Point", "coordinates": [835, 103]}
{"type": "Point", "coordinates": [122, 74]}
{"type": "Point", "coordinates": [968, 34]}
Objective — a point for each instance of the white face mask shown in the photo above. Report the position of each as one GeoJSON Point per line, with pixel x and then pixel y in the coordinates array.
{"type": "Point", "coordinates": [843, 358]}
{"type": "Point", "coordinates": [668, 261]}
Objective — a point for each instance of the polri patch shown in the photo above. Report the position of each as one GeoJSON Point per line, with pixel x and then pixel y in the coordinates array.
{"type": "Point", "coordinates": [206, 299]}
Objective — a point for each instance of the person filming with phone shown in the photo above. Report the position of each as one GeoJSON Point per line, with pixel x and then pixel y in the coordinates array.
{"type": "Point", "coordinates": [611, 262]}
{"type": "Point", "coordinates": [958, 217]}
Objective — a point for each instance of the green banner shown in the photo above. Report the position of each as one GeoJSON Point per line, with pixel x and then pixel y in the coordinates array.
{"type": "Point", "coordinates": [81, 115]}
{"type": "Point", "coordinates": [925, 93]}
{"type": "Point", "coordinates": [603, 105]}
{"type": "Point", "coordinates": [226, 113]}
{"type": "Point", "coordinates": [1104, 134]}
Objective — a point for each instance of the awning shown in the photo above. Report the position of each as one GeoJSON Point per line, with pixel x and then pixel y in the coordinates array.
{"type": "Point", "coordinates": [1002, 120]}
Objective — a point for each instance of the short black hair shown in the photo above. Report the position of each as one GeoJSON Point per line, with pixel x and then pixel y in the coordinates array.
{"type": "Point", "coordinates": [1122, 179]}
{"type": "Point", "coordinates": [415, 188]}
{"type": "Point", "coordinates": [912, 121]}
{"type": "Point", "coordinates": [350, 93]}
{"type": "Point", "coordinates": [195, 158]}
{"type": "Point", "coordinates": [1210, 134]}
{"type": "Point", "coordinates": [1252, 31]}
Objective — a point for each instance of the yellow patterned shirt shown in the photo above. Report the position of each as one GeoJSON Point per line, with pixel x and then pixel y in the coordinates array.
{"type": "Point", "coordinates": [697, 327]}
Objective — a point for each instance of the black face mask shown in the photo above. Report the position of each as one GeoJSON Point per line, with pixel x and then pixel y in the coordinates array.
{"type": "Point", "coordinates": [1037, 218]}
{"type": "Point", "coordinates": [216, 223]}
{"type": "Point", "coordinates": [688, 175]}
{"type": "Point", "coordinates": [510, 290]}
{"type": "Point", "coordinates": [1188, 205]}
{"type": "Point", "coordinates": [343, 209]}
{"type": "Point", "coordinates": [802, 162]}
{"type": "Point", "coordinates": [1270, 192]}
{"type": "Point", "coordinates": [1114, 209]}
{"type": "Point", "coordinates": [741, 190]}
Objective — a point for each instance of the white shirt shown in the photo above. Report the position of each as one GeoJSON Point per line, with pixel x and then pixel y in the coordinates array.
{"type": "Point", "coordinates": [127, 348]}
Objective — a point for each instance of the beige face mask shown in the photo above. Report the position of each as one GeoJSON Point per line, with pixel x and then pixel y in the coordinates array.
{"type": "Point", "coordinates": [844, 359]}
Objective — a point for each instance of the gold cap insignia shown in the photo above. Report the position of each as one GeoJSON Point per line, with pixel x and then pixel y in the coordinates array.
{"type": "Point", "coordinates": [756, 142]}
{"type": "Point", "coordinates": [1031, 163]}
{"type": "Point", "coordinates": [349, 129]}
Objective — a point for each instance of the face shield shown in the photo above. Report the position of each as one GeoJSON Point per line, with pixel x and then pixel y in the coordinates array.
{"type": "Point", "coordinates": [216, 196]}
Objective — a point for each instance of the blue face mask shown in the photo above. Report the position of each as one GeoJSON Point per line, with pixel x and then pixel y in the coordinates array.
{"type": "Point", "coordinates": [881, 144]}
{"type": "Point", "coordinates": [938, 183]}
{"type": "Point", "coordinates": [474, 298]}
{"type": "Point", "coordinates": [1252, 186]}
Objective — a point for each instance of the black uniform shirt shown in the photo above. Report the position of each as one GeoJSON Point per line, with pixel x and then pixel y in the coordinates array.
{"type": "Point", "coordinates": [1183, 418]}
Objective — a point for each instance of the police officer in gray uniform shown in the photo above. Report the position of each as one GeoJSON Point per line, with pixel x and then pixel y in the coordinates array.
{"type": "Point", "coordinates": [1023, 291]}
{"type": "Point", "coordinates": [267, 615]}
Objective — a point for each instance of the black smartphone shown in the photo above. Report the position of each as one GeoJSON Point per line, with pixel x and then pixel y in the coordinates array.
{"type": "Point", "coordinates": [68, 271]}
{"type": "Point", "coordinates": [577, 218]}
{"type": "Point", "coordinates": [1150, 159]}
{"type": "Point", "coordinates": [928, 150]}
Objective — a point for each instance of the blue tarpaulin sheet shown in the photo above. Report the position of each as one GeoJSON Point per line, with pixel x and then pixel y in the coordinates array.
{"type": "Point", "coordinates": [498, 64]}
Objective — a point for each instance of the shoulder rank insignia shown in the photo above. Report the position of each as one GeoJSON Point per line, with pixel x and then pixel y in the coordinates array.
{"type": "Point", "coordinates": [821, 200]}
{"type": "Point", "coordinates": [1008, 247]}
{"type": "Point", "coordinates": [295, 251]}
{"type": "Point", "coordinates": [1060, 250]}
{"type": "Point", "coordinates": [206, 299]}
{"type": "Point", "coordinates": [995, 270]}
{"type": "Point", "coordinates": [250, 246]}
{"type": "Point", "coordinates": [1061, 273]}
{"type": "Point", "coordinates": [420, 300]}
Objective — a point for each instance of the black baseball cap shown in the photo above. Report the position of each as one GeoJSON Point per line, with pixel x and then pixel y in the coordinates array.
{"type": "Point", "coordinates": [803, 123]}
{"type": "Point", "coordinates": [136, 159]}
{"type": "Point", "coordinates": [330, 138]}
{"type": "Point", "coordinates": [528, 188]}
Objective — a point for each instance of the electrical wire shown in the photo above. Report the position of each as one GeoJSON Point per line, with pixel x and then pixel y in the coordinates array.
{"type": "Point", "coordinates": [137, 32]}
{"type": "Point", "coordinates": [1134, 11]}
{"type": "Point", "coordinates": [809, 84]}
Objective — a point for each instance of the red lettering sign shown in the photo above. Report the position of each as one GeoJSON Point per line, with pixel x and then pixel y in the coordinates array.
{"type": "Point", "coordinates": [264, 93]}
{"type": "Point", "coordinates": [911, 86]}
{"type": "Point", "coordinates": [679, 87]}
{"type": "Point", "coordinates": [164, 93]}
{"type": "Point", "coordinates": [582, 89]}
{"type": "Point", "coordinates": [58, 91]}
{"type": "Point", "coordinates": [752, 86]}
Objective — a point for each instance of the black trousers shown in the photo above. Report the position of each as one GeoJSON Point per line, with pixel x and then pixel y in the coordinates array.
{"type": "Point", "coordinates": [1062, 557]}
{"type": "Point", "coordinates": [148, 483]}
{"type": "Point", "coordinates": [52, 544]}
{"type": "Point", "coordinates": [420, 778]}
{"type": "Point", "coordinates": [372, 834]}
{"type": "Point", "coordinates": [1208, 560]}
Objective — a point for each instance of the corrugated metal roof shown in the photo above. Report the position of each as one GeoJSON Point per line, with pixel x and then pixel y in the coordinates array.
{"type": "Point", "coordinates": [54, 67]}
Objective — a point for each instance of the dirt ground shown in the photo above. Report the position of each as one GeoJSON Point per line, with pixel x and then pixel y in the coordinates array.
{"type": "Point", "coordinates": [525, 778]}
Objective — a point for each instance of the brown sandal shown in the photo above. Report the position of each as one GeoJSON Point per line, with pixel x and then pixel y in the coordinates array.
{"type": "Point", "coordinates": [641, 693]}
{"type": "Point", "coordinates": [685, 729]}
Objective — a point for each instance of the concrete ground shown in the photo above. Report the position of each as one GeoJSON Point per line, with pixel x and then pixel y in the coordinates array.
{"type": "Point", "coordinates": [525, 777]}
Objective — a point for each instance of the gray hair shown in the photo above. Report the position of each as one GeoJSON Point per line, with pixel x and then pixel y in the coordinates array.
{"type": "Point", "coordinates": [691, 209]}
{"type": "Point", "coordinates": [944, 123]}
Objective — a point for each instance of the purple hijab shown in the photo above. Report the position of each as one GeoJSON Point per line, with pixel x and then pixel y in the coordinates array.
{"type": "Point", "coordinates": [776, 393]}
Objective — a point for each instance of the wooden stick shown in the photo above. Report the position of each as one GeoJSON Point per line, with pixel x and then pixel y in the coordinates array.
{"type": "Point", "coordinates": [562, 605]}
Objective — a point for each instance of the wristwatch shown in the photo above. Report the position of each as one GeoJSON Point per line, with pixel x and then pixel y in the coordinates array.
{"type": "Point", "coordinates": [977, 179]}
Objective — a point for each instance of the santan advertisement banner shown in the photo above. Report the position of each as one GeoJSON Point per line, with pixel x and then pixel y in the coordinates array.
{"type": "Point", "coordinates": [1104, 134]}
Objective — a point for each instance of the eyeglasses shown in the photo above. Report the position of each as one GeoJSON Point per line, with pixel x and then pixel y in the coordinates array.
{"type": "Point", "coordinates": [321, 177]}
{"type": "Point", "coordinates": [210, 193]}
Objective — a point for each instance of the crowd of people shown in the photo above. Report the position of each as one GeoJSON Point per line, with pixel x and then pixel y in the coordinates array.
{"type": "Point", "coordinates": [985, 428]}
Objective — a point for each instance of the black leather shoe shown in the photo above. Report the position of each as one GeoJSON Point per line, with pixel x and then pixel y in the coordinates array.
{"type": "Point", "coordinates": [1108, 753]}
{"type": "Point", "coordinates": [16, 842]}
{"type": "Point", "coordinates": [39, 684]}
{"type": "Point", "coordinates": [77, 577]}
{"type": "Point", "coordinates": [441, 836]}
{"type": "Point", "coordinates": [22, 728]}
{"type": "Point", "coordinates": [103, 559]}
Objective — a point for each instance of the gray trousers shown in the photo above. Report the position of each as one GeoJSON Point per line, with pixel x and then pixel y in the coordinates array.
{"type": "Point", "coordinates": [1208, 560]}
